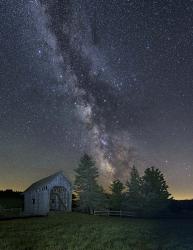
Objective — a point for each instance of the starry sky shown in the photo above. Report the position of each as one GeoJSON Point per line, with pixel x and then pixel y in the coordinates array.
{"type": "Point", "coordinates": [111, 78]}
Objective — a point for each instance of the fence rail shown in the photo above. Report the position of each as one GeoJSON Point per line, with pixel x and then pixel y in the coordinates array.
{"type": "Point", "coordinates": [114, 213]}
{"type": "Point", "coordinates": [10, 212]}
{"type": "Point", "coordinates": [10, 209]}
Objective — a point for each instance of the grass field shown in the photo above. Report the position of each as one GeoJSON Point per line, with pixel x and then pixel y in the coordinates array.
{"type": "Point", "coordinates": [78, 231]}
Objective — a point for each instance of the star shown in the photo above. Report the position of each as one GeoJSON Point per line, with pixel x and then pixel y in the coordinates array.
{"type": "Point", "coordinates": [109, 77]}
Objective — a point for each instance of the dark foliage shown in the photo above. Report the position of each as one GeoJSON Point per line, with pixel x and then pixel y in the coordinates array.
{"type": "Point", "coordinates": [133, 194]}
{"type": "Point", "coordinates": [90, 195]}
{"type": "Point", "coordinates": [116, 196]}
{"type": "Point", "coordinates": [155, 195]}
{"type": "Point", "coordinates": [182, 207]}
{"type": "Point", "coordinates": [11, 199]}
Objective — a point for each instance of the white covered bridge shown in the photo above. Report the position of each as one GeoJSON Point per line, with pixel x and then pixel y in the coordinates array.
{"type": "Point", "coordinates": [53, 193]}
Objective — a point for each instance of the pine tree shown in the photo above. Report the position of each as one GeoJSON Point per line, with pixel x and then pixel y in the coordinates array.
{"type": "Point", "coordinates": [133, 193]}
{"type": "Point", "coordinates": [88, 191]}
{"type": "Point", "coordinates": [154, 190]}
{"type": "Point", "coordinates": [116, 196]}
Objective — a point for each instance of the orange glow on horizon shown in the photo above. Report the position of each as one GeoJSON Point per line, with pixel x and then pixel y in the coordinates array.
{"type": "Point", "coordinates": [22, 186]}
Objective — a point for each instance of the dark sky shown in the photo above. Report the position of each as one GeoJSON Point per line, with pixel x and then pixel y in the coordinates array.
{"type": "Point", "coordinates": [111, 78]}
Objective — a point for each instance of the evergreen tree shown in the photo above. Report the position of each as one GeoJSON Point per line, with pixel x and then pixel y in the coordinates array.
{"type": "Point", "coordinates": [89, 193]}
{"type": "Point", "coordinates": [154, 190]}
{"type": "Point", "coordinates": [116, 196]}
{"type": "Point", "coordinates": [133, 195]}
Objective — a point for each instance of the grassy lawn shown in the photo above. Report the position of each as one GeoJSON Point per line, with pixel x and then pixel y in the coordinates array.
{"type": "Point", "coordinates": [79, 231]}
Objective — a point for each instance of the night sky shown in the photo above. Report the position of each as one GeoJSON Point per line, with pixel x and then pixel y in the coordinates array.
{"type": "Point", "coordinates": [111, 78]}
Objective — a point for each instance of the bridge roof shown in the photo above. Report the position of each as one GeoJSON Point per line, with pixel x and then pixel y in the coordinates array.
{"type": "Point", "coordinates": [45, 181]}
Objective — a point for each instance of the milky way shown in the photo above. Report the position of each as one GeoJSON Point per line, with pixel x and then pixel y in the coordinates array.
{"type": "Point", "coordinates": [111, 78]}
{"type": "Point", "coordinates": [84, 73]}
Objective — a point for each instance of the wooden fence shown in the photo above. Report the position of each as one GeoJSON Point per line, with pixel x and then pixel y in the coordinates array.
{"type": "Point", "coordinates": [114, 213]}
{"type": "Point", "coordinates": [10, 212]}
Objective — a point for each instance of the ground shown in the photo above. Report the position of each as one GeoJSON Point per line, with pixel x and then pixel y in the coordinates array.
{"type": "Point", "coordinates": [76, 231]}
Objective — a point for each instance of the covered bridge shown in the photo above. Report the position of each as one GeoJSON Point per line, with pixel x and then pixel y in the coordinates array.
{"type": "Point", "coordinates": [53, 193]}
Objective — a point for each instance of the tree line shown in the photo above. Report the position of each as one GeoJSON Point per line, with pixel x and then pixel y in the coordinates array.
{"type": "Point", "coordinates": [147, 194]}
